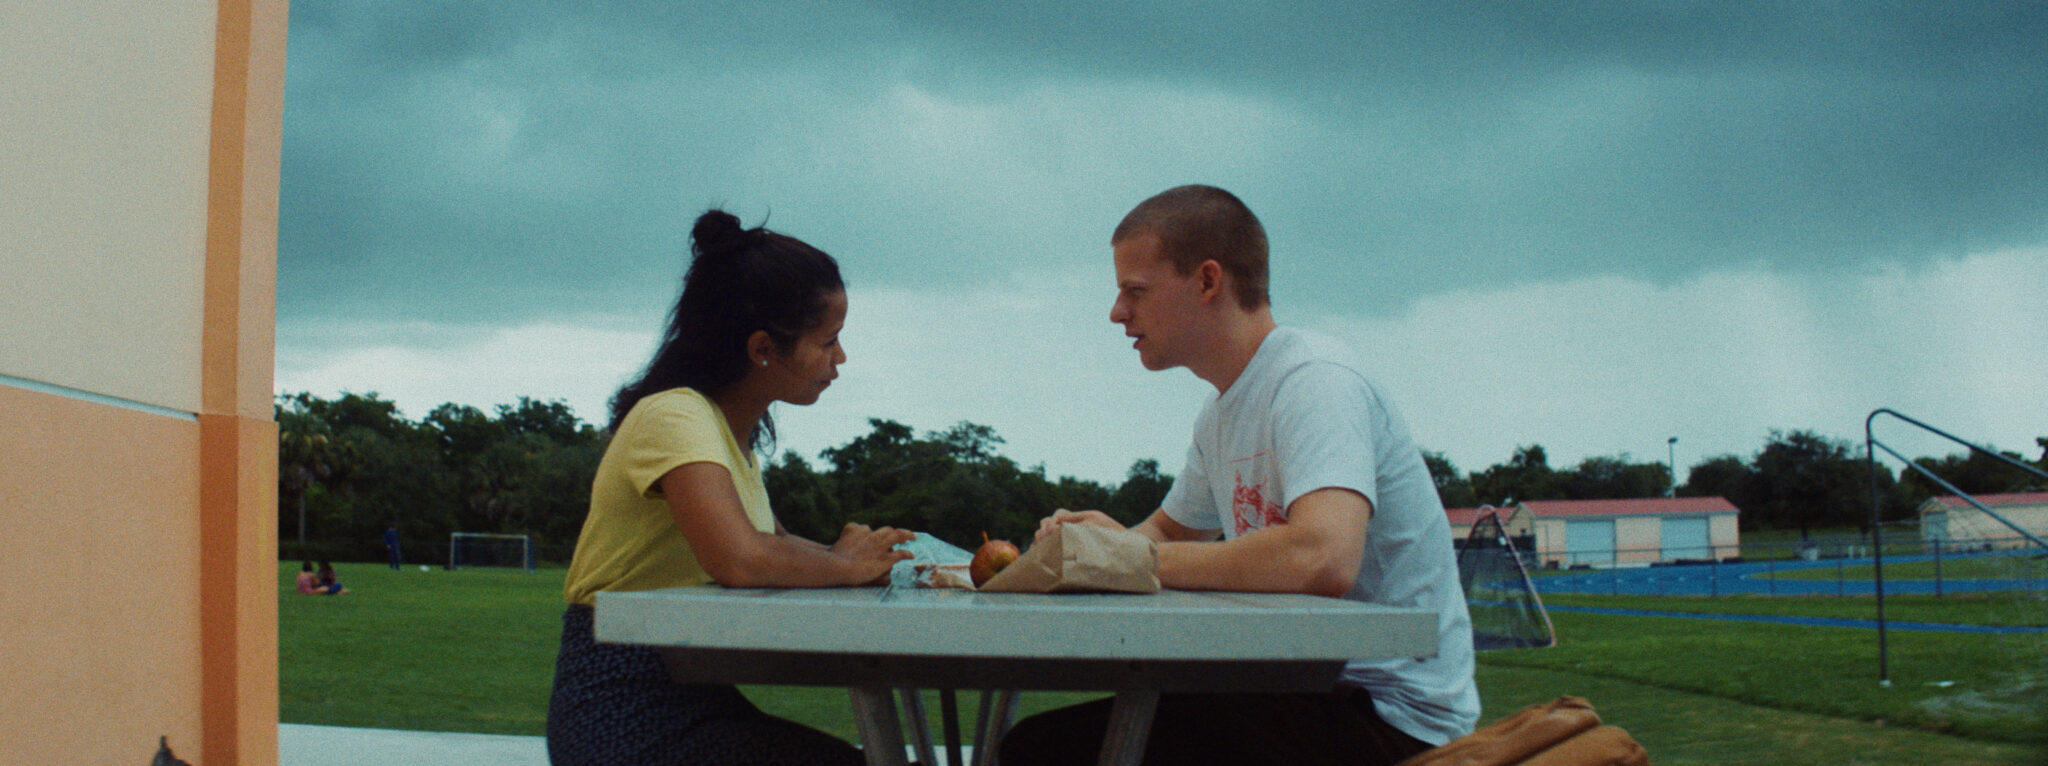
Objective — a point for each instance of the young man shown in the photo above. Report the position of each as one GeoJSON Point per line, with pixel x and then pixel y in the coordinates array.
{"type": "Point", "coordinates": [1301, 478]}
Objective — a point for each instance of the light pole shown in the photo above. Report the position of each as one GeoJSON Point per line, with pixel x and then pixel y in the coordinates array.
{"type": "Point", "coordinates": [1671, 450]}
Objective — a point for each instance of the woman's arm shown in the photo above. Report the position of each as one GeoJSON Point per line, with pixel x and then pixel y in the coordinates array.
{"type": "Point", "coordinates": [797, 539]}
{"type": "Point", "coordinates": [707, 509]}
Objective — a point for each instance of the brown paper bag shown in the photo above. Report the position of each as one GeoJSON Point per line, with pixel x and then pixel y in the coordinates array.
{"type": "Point", "coordinates": [1083, 558]}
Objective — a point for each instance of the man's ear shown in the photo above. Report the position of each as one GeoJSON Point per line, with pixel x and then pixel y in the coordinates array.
{"type": "Point", "coordinates": [1211, 275]}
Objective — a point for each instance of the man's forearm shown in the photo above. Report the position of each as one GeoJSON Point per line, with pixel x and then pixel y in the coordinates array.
{"type": "Point", "coordinates": [1151, 530]}
{"type": "Point", "coordinates": [1307, 557]}
{"type": "Point", "coordinates": [1250, 563]}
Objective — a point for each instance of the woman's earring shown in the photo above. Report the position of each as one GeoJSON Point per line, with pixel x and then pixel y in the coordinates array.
{"type": "Point", "coordinates": [764, 363]}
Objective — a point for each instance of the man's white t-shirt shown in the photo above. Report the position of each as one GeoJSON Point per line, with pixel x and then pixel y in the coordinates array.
{"type": "Point", "coordinates": [1303, 416]}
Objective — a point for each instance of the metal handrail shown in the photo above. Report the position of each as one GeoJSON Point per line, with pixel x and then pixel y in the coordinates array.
{"type": "Point", "coordinates": [1870, 447]}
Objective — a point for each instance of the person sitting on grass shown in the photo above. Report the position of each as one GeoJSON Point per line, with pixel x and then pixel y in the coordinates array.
{"type": "Point", "coordinates": [329, 583]}
{"type": "Point", "coordinates": [309, 582]}
{"type": "Point", "coordinates": [678, 500]}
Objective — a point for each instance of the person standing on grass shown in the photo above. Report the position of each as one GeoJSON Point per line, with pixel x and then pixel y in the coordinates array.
{"type": "Point", "coordinates": [678, 500]}
{"type": "Point", "coordinates": [1301, 478]}
{"type": "Point", "coordinates": [391, 544]}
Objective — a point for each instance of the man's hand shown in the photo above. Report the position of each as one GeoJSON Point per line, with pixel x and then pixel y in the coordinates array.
{"type": "Point", "coordinates": [1064, 516]}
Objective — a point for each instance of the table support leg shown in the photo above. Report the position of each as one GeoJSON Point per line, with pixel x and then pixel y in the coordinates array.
{"type": "Point", "coordinates": [998, 711]}
{"type": "Point", "coordinates": [981, 746]}
{"type": "Point", "coordinates": [1130, 722]}
{"type": "Point", "coordinates": [949, 714]}
{"type": "Point", "coordinates": [920, 726]}
{"type": "Point", "coordinates": [881, 734]}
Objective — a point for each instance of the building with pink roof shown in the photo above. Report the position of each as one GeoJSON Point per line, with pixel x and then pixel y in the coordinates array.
{"type": "Point", "coordinates": [1958, 525]}
{"type": "Point", "coordinates": [1603, 533]}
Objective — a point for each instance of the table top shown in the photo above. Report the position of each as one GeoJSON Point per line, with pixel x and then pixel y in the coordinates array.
{"type": "Point", "coordinates": [922, 622]}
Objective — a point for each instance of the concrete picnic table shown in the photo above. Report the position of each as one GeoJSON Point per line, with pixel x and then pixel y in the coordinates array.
{"type": "Point", "coordinates": [875, 640]}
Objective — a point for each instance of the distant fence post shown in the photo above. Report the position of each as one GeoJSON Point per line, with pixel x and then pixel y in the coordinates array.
{"type": "Point", "coordinates": [1714, 577]}
{"type": "Point", "coordinates": [1937, 567]}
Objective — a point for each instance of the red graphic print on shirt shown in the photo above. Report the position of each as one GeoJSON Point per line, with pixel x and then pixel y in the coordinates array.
{"type": "Point", "coordinates": [1249, 508]}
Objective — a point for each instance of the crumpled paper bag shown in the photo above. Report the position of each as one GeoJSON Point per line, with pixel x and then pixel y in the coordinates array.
{"type": "Point", "coordinates": [1078, 557]}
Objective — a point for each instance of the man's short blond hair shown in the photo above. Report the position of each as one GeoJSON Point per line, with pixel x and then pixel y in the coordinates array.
{"type": "Point", "coordinates": [1197, 223]}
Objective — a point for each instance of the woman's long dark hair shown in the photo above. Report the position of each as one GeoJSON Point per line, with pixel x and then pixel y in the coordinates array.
{"type": "Point", "coordinates": [740, 280]}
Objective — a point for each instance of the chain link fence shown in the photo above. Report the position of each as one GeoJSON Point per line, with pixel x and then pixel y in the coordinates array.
{"type": "Point", "coordinates": [1840, 567]}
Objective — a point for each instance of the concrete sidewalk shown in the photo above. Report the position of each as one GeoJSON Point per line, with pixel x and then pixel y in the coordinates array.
{"type": "Point", "coordinates": [304, 745]}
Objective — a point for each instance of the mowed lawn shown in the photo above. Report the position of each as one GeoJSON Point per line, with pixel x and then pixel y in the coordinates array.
{"type": "Point", "coordinates": [473, 651]}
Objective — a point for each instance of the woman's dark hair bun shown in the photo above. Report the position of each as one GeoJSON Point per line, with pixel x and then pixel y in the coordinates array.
{"type": "Point", "coordinates": [740, 281]}
{"type": "Point", "coordinates": [716, 231]}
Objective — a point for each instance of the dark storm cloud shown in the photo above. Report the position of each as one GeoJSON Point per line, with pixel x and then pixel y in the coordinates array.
{"type": "Point", "coordinates": [528, 158]}
{"type": "Point", "coordinates": [1505, 142]}
{"type": "Point", "coordinates": [479, 162]}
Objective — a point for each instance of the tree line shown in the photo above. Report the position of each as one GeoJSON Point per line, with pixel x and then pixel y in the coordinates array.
{"type": "Point", "coordinates": [349, 466]}
{"type": "Point", "coordinates": [1798, 480]}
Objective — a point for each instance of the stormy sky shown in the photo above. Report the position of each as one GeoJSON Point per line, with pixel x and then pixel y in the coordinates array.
{"type": "Point", "coordinates": [1589, 226]}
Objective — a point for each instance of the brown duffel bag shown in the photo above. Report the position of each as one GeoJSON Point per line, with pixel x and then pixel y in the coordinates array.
{"type": "Point", "coordinates": [1563, 732]}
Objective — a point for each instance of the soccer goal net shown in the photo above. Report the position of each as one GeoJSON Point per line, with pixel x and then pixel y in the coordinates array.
{"type": "Point", "coordinates": [1506, 612]}
{"type": "Point", "coordinates": [480, 549]}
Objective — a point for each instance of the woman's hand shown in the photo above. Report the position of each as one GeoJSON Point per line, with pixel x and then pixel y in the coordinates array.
{"type": "Point", "coordinates": [1064, 516]}
{"type": "Point", "coordinates": [707, 510]}
{"type": "Point", "coordinates": [871, 551]}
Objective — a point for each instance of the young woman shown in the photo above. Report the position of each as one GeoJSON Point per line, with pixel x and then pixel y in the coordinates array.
{"type": "Point", "coordinates": [309, 581]}
{"type": "Point", "coordinates": [678, 500]}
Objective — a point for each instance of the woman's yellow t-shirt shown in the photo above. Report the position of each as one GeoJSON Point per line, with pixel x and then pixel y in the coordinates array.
{"type": "Point", "coordinates": [630, 542]}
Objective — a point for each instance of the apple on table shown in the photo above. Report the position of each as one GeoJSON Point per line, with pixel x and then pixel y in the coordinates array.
{"type": "Point", "coordinates": [990, 559]}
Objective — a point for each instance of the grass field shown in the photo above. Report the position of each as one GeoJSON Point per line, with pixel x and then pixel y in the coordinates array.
{"type": "Point", "coordinates": [2003, 609]}
{"type": "Point", "coordinates": [474, 650]}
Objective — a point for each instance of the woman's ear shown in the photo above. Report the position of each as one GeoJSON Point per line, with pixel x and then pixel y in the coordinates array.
{"type": "Point", "coordinates": [760, 348]}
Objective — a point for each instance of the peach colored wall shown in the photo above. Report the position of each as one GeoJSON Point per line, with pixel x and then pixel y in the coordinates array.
{"type": "Point", "coordinates": [1639, 538]}
{"type": "Point", "coordinates": [1522, 525]}
{"type": "Point", "coordinates": [137, 454]}
{"type": "Point", "coordinates": [241, 236]}
{"type": "Point", "coordinates": [107, 215]}
{"type": "Point", "coordinates": [1552, 545]}
{"type": "Point", "coordinates": [1969, 527]}
{"type": "Point", "coordinates": [102, 648]}
{"type": "Point", "coordinates": [1550, 541]}
{"type": "Point", "coordinates": [238, 589]}
{"type": "Point", "coordinates": [1725, 532]}
{"type": "Point", "coordinates": [238, 442]}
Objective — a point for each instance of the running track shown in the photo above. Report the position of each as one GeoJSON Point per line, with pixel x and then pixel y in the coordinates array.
{"type": "Point", "coordinates": [1825, 622]}
{"type": "Point", "coordinates": [1754, 578]}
